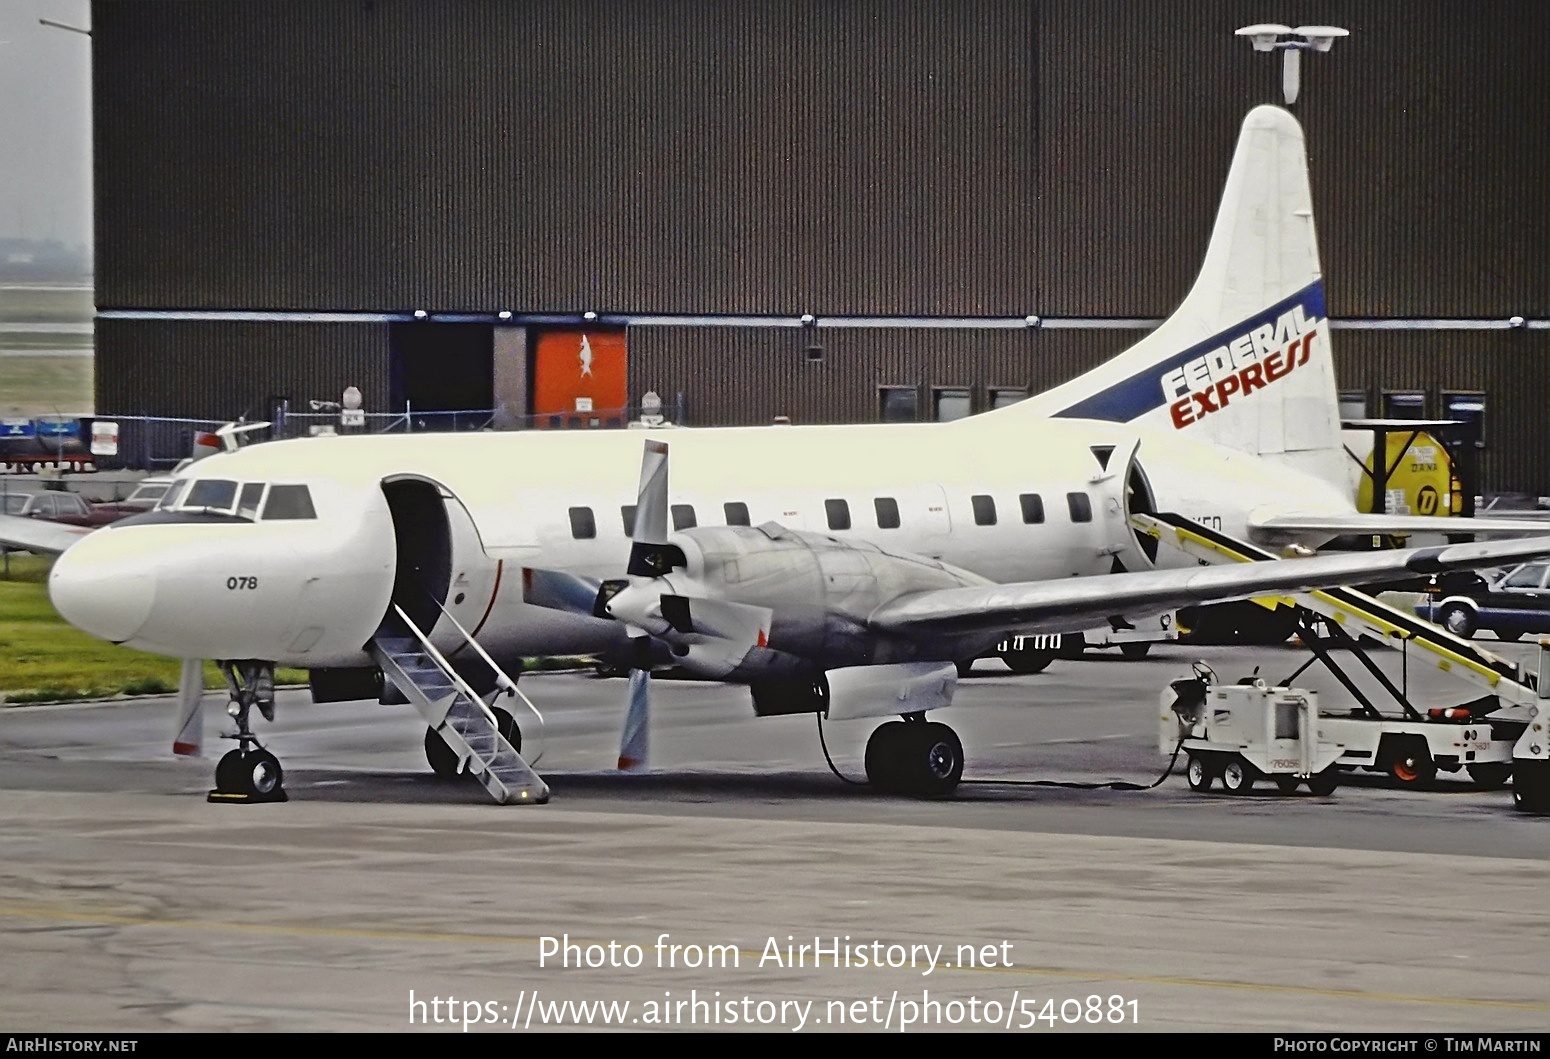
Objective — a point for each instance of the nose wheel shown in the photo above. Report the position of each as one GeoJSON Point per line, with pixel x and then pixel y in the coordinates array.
{"type": "Point", "coordinates": [249, 773]}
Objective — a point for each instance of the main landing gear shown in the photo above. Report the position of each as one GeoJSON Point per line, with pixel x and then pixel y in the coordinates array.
{"type": "Point", "coordinates": [914, 756]}
{"type": "Point", "coordinates": [249, 773]}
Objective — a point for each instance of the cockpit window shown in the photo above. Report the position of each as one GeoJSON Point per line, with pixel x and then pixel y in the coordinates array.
{"type": "Point", "coordinates": [211, 494]}
{"type": "Point", "coordinates": [289, 501]}
{"type": "Point", "coordinates": [170, 500]}
{"type": "Point", "coordinates": [247, 503]}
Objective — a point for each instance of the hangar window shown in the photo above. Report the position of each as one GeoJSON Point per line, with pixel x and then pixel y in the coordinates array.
{"type": "Point", "coordinates": [1467, 408]}
{"type": "Point", "coordinates": [898, 404]}
{"type": "Point", "coordinates": [212, 494]}
{"type": "Point", "coordinates": [683, 517]}
{"type": "Point", "coordinates": [248, 503]}
{"type": "Point", "coordinates": [582, 525]}
{"type": "Point", "coordinates": [887, 512]}
{"type": "Point", "coordinates": [953, 402]}
{"type": "Point", "coordinates": [839, 514]}
{"type": "Point", "coordinates": [1404, 405]}
{"type": "Point", "coordinates": [736, 512]}
{"type": "Point", "coordinates": [289, 501]}
{"type": "Point", "coordinates": [1033, 507]}
{"type": "Point", "coordinates": [627, 516]}
{"type": "Point", "coordinates": [1353, 404]}
{"type": "Point", "coordinates": [1081, 507]}
{"type": "Point", "coordinates": [1004, 396]}
{"type": "Point", "coordinates": [984, 509]}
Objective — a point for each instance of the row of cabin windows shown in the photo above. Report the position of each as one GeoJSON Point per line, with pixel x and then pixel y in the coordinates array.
{"type": "Point", "coordinates": [583, 526]}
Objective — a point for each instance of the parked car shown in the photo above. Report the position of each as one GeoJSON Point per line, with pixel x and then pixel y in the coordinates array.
{"type": "Point", "coordinates": [1509, 602]}
{"type": "Point", "coordinates": [144, 497]}
{"type": "Point", "coordinates": [57, 506]}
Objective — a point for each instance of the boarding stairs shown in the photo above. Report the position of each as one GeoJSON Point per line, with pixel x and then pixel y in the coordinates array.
{"type": "Point", "coordinates": [1358, 614]}
{"type": "Point", "coordinates": [455, 711]}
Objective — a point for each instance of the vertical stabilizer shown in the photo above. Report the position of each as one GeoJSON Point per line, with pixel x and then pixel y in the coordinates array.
{"type": "Point", "coordinates": [1245, 361]}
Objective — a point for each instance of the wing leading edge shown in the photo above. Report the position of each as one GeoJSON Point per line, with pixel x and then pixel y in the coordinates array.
{"type": "Point", "coordinates": [22, 534]}
{"type": "Point", "coordinates": [1081, 602]}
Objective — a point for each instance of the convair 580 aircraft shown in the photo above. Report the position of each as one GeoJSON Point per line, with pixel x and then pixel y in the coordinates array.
{"type": "Point", "coordinates": [839, 570]}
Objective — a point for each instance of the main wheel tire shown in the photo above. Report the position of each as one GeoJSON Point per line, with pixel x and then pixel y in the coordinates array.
{"type": "Point", "coordinates": [1237, 776]}
{"type": "Point", "coordinates": [1457, 619]}
{"type": "Point", "coordinates": [1197, 773]}
{"type": "Point", "coordinates": [1135, 651]}
{"type": "Point", "coordinates": [1286, 784]}
{"type": "Point", "coordinates": [934, 756]}
{"type": "Point", "coordinates": [1490, 775]}
{"type": "Point", "coordinates": [263, 772]}
{"type": "Point", "coordinates": [1027, 661]}
{"type": "Point", "coordinates": [882, 757]}
{"type": "Point", "coordinates": [441, 757]}
{"type": "Point", "coordinates": [1325, 782]}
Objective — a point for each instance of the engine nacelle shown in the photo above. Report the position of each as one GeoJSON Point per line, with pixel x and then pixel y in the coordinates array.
{"type": "Point", "coordinates": [820, 589]}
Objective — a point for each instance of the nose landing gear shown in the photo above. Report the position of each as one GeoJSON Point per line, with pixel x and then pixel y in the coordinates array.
{"type": "Point", "coordinates": [249, 773]}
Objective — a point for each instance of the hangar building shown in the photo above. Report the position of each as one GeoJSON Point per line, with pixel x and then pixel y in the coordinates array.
{"type": "Point", "coordinates": [423, 200]}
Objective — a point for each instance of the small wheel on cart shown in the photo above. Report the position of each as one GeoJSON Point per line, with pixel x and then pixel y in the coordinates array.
{"type": "Point", "coordinates": [1197, 773]}
{"type": "Point", "coordinates": [1286, 784]}
{"type": "Point", "coordinates": [1237, 776]}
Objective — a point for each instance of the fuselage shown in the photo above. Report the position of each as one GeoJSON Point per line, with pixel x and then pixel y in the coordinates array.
{"type": "Point", "coordinates": [218, 574]}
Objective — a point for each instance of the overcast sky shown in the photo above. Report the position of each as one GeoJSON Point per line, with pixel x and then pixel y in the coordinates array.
{"type": "Point", "coordinates": [45, 122]}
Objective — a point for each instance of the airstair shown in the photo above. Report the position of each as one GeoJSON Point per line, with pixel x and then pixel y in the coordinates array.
{"type": "Point", "coordinates": [1358, 614]}
{"type": "Point", "coordinates": [455, 711]}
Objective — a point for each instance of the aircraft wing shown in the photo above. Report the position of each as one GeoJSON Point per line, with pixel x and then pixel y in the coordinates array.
{"type": "Point", "coordinates": [1341, 525]}
{"type": "Point", "coordinates": [22, 534]}
{"type": "Point", "coordinates": [1081, 602]}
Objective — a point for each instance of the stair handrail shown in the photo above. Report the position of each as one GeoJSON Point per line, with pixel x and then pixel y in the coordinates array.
{"type": "Point", "coordinates": [502, 681]}
{"type": "Point", "coordinates": [446, 668]}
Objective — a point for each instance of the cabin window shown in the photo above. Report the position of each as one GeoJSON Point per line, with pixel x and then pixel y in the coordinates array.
{"type": "Point", "coordinates": [951, 402]}
{"type": "Point", "coordinates": [898, 404]}
{"type": "Point", "coordinates": [887, 512]}
{"type": "Point", "coordinates": [248, 502]}
{"type": "Point", "coordinates": [736, 512]}
{"type": "Point", "coordinates": [289, 501]}
{"type": "Point", "coordinates": [683, 516]}
{"type": "Point", "coordinates": [1081, 507]}
{"type": "Point", "coordinates": [984, 510]}
{"type": "Point", "coordinates": [582, 525]}
{"type": "Point", "coordinates": [1033, 508]}
{"type": "Point", "coordinates": [212, 494]}
{"type": "Point", "coordinates": [839, 514]}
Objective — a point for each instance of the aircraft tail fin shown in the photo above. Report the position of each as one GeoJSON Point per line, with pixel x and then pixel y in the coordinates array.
{"type": "Point", "coordinates": [1245, 360]}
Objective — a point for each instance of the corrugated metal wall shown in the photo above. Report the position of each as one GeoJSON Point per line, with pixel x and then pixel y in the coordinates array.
{"type": "Point", "coordinates": [748, 376]}
{"type": "Point", "coordinates": [222, 370]}
{"type": "Point", "coordinates": [1059, 157]}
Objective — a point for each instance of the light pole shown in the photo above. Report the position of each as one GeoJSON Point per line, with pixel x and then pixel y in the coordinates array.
{"type": "Point", "coordinates": [1270, 37]}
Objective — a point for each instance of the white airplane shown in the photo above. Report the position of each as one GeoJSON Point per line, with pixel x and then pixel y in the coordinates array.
{"type": "Point", "coordinates": [839, 570]}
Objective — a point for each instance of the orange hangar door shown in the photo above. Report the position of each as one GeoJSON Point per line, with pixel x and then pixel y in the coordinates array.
{"type": "Point", "coordinates": [580, 378]}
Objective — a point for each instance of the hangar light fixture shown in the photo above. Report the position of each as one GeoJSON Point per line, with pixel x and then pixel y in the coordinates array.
{"type": "Point", "coordinates": [589, 316]}
{"type": "Point", "coordinates": [504, 314]}
{"type": "Point", "coordinates": [1272, 36]}
{"type": "Point", "coordinates": [420, 314]}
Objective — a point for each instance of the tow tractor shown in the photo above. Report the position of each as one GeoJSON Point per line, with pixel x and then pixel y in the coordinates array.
{"type": "Point", "coordinates": [1411, 746]}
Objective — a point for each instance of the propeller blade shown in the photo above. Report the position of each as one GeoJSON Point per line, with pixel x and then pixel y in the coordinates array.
{"type": "Point", "coordinates": [650, 554]}
{"type": "Point", "coordinates": [190, 739]}
{"type": "Point", "coordinates": [558, 590]}
{"type": "Point", "coordinates": [635, 743]}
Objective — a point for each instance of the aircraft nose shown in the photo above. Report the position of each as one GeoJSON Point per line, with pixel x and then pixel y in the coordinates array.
{"type": "Point", "coordinates": [108, 600]}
